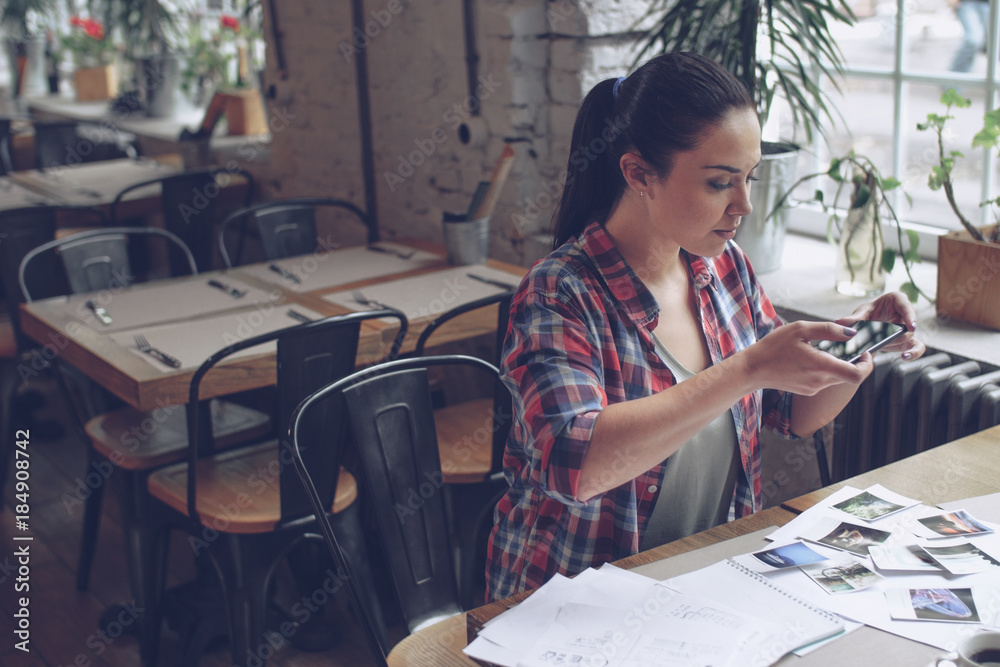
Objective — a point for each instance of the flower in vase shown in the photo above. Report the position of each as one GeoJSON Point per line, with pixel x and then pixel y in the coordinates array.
{"type": "Point", "coordinates": [88, 43]}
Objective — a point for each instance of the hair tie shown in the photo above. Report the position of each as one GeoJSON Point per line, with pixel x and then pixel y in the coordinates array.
{"type": "Point", "coordinates": [617, 87]}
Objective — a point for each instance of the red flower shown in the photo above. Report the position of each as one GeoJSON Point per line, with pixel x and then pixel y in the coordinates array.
{"type": "Point", "coordinates": [230, 22]}
{"type": "Point", "coordinates": [93, 29]}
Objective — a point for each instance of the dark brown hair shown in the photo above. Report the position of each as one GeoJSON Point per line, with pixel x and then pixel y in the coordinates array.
{"type": "Point", "coordinates": [661, 109]}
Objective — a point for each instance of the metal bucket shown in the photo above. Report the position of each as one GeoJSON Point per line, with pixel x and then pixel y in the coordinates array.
{"type": "Point", "coordinates": [764, 240]}
{"type": "Point", "coordinates": [467, 242]}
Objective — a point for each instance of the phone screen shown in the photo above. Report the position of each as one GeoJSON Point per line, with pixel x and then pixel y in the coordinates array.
{"type": "Point", "coordinates": [870, 337]}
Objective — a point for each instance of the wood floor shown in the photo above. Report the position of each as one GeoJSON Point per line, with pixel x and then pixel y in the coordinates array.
{"type": "Point", "coordinates": [63, 622]}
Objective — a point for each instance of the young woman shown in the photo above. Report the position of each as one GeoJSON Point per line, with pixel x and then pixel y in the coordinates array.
{"type": "Point", "coordinates": [642, 355]}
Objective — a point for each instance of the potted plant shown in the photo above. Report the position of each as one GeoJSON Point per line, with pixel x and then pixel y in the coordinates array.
{"type": "Point", "coordinates": [93, 51]}
{"type": "Point", "coordinates": [221, 62]}
{"type": "Point", "coordinates": [151, 30]}
{"type": "Point", "coordinates": [773, 46]}
{"type": "Point", "coordinates": [968, 282]}
{"type": "Point", "coordinates": [863, 257]}
{"type": "Point", "coordinates": [24, 23]}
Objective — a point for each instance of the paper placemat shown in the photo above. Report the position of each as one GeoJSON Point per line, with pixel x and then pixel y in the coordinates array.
{"type": "Point", "coordinates": [165, 301]}
{"type": "Point", "coordinates": [193, 342]}
{"type": "Point", "coordinates": [342, 266]}
{"type": "Point", "coordinates": [431, 294]}
{"type": "Point", "coordinates": [97, 182]}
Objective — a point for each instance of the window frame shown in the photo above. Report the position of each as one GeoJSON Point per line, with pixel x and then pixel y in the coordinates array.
{"type": "Point", "coordinates": [812, 221]}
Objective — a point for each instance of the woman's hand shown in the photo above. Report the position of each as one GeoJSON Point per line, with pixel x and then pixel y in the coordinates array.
{"type": "Point", "coordinates": [786, 359]}
{"type": "Point", "coordinates": [891, 307]}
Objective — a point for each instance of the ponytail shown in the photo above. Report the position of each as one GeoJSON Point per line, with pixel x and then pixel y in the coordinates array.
{"type": "Point", "coordinates": [662, 108]}
{"type": "Point", "coordinates": [593, 179]}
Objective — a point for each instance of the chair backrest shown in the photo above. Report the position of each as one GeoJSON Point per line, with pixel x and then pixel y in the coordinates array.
{"type": "Point", "coordinates": [190, 202]}
{"type": "Point", "coordinates": [309, 356]}
{"type": "Point", "coordinates": [6, 164]}
{"type": "Point", "coordinates": [92, 260]}
{"type": "Point", "coordinates": [286, 227]}
{"type": "Point", "coordinates": [22, 230]}
{"type": "Point", "coordinates": [392, 422]}
{"type": "Point", "coordinates": [56, 143]}
{"type": "Point", "coordinates": [502, 407]}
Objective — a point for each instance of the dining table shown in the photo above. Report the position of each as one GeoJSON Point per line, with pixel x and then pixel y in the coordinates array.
{"type": "Point", "coordinates": [193, 316]}
{"type": "Point", "coordinates": [966, 468]}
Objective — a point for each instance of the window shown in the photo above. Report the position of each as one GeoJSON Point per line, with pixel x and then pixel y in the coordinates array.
{"type": "Point", "coordinates": [899, 56]}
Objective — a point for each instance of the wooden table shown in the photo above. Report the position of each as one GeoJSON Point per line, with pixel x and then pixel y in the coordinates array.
{"type": "Point", "coordinates": [960, 469]}
{"type": "Point", "coordinates": [14, 195]}
{"type": "Point", "coordinates": [61, 324]}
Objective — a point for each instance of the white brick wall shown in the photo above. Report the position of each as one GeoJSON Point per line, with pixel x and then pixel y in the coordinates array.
{"type": "Point", "coordinates": [537, 60]}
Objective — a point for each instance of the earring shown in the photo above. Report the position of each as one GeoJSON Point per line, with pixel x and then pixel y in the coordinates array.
{"type": "Point", "coordinates": [640, 193]}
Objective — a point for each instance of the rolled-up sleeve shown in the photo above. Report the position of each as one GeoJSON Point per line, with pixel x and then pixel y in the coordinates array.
{"type": "Point", "coordinates": [553, 368]}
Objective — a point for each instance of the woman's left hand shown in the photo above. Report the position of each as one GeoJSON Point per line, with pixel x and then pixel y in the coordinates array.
{"type": "Point", "coordinates": [891, 307]}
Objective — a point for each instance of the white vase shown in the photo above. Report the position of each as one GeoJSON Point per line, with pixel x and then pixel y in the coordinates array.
{"type": "Point", "coordinates": [859, 253]}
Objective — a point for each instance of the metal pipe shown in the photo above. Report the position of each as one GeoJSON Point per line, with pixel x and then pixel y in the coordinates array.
{"type": "Point", "coordinates": [365, 122]}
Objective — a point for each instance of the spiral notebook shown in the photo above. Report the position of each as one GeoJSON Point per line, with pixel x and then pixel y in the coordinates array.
{"type": "Point", "coordinates": [753, 593]}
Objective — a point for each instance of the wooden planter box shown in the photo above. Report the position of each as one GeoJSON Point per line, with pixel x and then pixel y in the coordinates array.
{"type": "Point", "coordinates": [96, 83]}
{"type": "Point", "coordinates": [968, 283]}
{"type": "Point", "coordinates": [245, 112]}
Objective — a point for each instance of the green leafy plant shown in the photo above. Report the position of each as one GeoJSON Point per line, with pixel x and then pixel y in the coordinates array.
{"type": "Point", "coordinates": [797, 46]}
{"type": "Point", "coordinates": [24, 19]}
{"type": "Point", "coordinates": [209, 59]}
{"type": "Point", "coordinates": [149, 27]}
{"type": "Point", "coordinates": [940, 177]}
{"type": "Point", "coordinates": [858, 175]}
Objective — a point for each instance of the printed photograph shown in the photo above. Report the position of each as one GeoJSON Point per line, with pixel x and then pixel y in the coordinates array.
{"type": "Point", "coordinates": [789, 555]}
{"type": "Point", "coordinates": [954, 523]}
{"type": "Point", "coordinates": [842, 577]}
{"type": "Point", "coordinates": [964, 558]}
{"type": "Point", "coordinates": [868, 506]}
{"type": "Point", "coordinates": [937, 604]}
{"type": "Point", "coordinates": [908, 557]}
{"type": "Point", "coordinates": [853, 538]}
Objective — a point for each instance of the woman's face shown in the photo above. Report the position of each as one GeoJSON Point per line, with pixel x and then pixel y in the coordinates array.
{"type": "Point", "coordinates": [699, 204]}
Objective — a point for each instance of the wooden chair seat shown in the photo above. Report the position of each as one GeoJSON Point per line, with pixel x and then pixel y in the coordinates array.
{"type": "Point", "coordinates": [8, 343]}
{"type": "Point", "coordinates": [136, 440]}
{"type": "Point", "coordinates": [465, 440]}
{"type": "Point", "coordinates": [238, 489]}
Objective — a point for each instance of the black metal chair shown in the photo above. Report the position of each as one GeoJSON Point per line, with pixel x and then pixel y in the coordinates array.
{"type": "Point", "coordinates": [6, 163]}
{"type": "Point", "coordinates": [472, 435]}
{"type": "Point", "coordinates": [190, 205]}
{"type": "Point", "coordinates": [285, 227]}
{"type": "Point", "coordinates": [271, 516]}
{"type": "Point", "coordinates": [389, 411]}
{"type": "Point", "coordinates": [92, 261]}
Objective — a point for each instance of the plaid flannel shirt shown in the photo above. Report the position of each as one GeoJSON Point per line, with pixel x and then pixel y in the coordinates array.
{"type": "Point", "coordinates": [579, 339]}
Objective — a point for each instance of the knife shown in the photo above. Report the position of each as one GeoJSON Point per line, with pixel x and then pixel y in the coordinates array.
{"type": "Point", "coordinates": [232, 291]}
{"type": "Point", "coordinates": [490, 281]}
{"type": "Point", "coordinates": [284, 273]}
{"type": "Point", "coordinates": [296, 315]}
{"type": "Point", "coordinates": [101, 314]}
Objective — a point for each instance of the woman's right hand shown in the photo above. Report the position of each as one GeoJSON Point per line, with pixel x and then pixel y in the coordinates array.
{"type": "Point", "coordinates": [785, 359]}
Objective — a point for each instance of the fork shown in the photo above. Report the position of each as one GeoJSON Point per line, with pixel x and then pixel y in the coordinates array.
{"type": "Point", "coordinates": [359, 297]}
{"type": "Point", "coordinates": [144, 346]}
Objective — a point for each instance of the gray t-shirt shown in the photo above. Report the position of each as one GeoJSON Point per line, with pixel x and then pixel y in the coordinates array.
{"type": "Point", "coordinates": [698, 479]}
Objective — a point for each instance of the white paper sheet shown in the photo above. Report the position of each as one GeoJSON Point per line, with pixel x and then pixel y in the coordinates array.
{"type": "Point", "coordinates": [341, 266]}
{"type": "Point", "coordinates": [192, 342]}
{"type": "Point", "coordinates": [429, 295]}
{"type": "Point", "coordinates": [165, 301]}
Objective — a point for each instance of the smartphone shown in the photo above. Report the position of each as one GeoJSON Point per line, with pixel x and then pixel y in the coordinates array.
{"type": "Point", "coordinates": [871, 336]}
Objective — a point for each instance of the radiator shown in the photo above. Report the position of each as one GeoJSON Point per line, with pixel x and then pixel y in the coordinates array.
{"type": "Point", "coordinates": [906, 407]}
